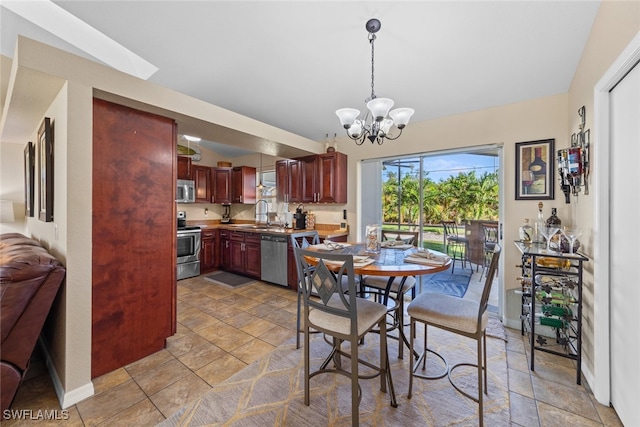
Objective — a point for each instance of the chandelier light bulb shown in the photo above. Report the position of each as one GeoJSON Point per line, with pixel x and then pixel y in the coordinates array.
{"type": "Point", "coordinates": [347, 116]}
{"type": "Point", "coordinates": [379, 108]}
{"type": "Point", "coordinates": [401, 116]}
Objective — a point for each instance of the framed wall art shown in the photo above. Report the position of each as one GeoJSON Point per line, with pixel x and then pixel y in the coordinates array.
{"type": "Point", "coordinates": [535, 166]}
{"type": "Point", "coordinates": [45, 168]}
{"type": "Point", "coordinates": [29, 179]}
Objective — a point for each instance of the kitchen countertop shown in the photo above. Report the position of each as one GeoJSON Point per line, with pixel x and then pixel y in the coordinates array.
{"type": "Point", "coordinates": [324, 231]}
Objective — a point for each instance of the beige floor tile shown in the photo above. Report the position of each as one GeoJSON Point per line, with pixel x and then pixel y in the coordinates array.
{"type": "Point", "coordinates": [223, 313]}
{"type": "Point", "coordinates": [150, 362]}
{"type": "Point", "coordinates": [107, 404]}
{"type": "Point", "coordinates": [143, 413]}
{"type": "Point", "coordinates": [520, 382]}
{"type": "Point", "coordinates": [185, 343]}
{"type": "Point", "coordinates": [199, 320]}
{"type": "Point", "coordinates": [252, 351]}
{"type": "Point", "coordinates": [178, 394]}
{"type": "Point", "coordinates": [567, 398]}
{"type": "Point", "coordinates": [161, 376]}
{"type": "Point", "coordinates": [517, 361]}
{"type": "Point", "coordinates": [212, 334]}
{"type": "Point", "coordinates": [277, 335]}
{"type": "Point", "coordinates": [551, 416]}
{"type": "Point", "coordinates": [110, 380]}
{"type": "Point", "coordinates": [201, 355]}
{"type": "Point", "coordinates": [240, 320]}
{"type": "Point", "coordinates": [524, 411]}
{"type": "Point", "coordinates": [607, 414]}
{"type": "Point", "coordinates": [257, 327]}
{"type": "Point", "coordinates": [221, 369]}
{"type": "Point", "coordinates": [233, 340]}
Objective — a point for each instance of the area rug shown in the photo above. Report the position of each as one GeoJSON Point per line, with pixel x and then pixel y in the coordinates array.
{"type": "Point", "coordinates": [229, 279]}
{"type": "Point", "coordinates": [270, 392]}
{"type": "Point", "coordinates": [446, 282]}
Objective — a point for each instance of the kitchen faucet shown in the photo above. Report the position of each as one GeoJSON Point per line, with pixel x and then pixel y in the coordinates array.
{"type": "Point", "coordinates": [266, 214]}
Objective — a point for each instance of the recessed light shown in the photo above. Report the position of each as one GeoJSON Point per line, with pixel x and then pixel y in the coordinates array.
{"type": "Point", "coordinates": [191, 138]}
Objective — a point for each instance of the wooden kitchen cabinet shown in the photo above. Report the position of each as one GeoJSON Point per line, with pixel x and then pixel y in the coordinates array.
{"type": "Point", "coordinates": [288, 181]}
{"type": "Point", "coordinates": [332, 178]}
{"type": "Point", "coordinates": [225, 250]}
{"type": "Point", "coordinates": [243, 185]}
{"type": "Point", "coordinates": [202, 177]}
{"type": "Point", "coordinates": [210, 253]}
{"type": "Point", "coordinates": [221, 185]}
{"type": "Point", "coordinates": [244, 253]}
{"type": "Point", "coordinates": [320, 178]}
{"type": "Point", "coordinates": [184, 167]}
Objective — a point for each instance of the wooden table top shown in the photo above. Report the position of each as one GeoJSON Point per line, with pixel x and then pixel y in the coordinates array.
{"type": "Point", "coordinates": [389, 262]}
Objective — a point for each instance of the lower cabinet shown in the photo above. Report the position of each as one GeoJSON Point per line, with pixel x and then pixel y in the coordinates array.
{"type": "Point", "coordinates": [244, 253]}
{"type": "Point", "coordinates": [210, 253]}
{"type": "Point", "coordinates": [225, 250]}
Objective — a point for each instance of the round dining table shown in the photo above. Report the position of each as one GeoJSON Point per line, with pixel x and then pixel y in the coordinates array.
{"type": "Point", "coordinates": [389, 262]}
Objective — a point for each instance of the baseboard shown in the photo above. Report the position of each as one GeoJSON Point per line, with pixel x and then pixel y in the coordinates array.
{"type": "Point", "coordinates": [65, 398]}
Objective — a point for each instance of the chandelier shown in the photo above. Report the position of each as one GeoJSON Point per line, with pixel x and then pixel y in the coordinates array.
{"type": "Point", "coordinates": [379, 124]}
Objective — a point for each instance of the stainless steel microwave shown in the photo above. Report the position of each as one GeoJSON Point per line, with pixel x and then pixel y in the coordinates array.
{"type": "Point", "coordinates": [186, 191]}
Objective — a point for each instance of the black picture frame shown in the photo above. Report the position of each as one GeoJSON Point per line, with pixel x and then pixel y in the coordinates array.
{"type": "Point", "coordinates": [29, 179]}
{"type": "Point", "coordinates": [535, 170]}
{"type": "Point", "coordinates": [45, 168]}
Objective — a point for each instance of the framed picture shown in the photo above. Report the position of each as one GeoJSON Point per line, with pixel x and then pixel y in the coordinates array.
{"type": "Point", "coordinates": [535, 170]}
{"type": "Point", "coordinates": [29, 178]}
{"type": "Point", "coordinates": [45, 167]}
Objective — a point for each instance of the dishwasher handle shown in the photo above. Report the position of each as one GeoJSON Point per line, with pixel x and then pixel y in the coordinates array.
{"type": "Point", "coordinates": [273, 238]}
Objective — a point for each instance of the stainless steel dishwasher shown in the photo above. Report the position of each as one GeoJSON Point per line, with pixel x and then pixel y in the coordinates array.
{"type": "Point", "coordinates": [273, 259]}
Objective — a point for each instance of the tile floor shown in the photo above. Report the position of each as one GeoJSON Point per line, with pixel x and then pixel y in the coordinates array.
{"type": "Point", "coordinates": [222, 330]}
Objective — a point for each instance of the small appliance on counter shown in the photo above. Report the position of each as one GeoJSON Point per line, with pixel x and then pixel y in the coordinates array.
{"type": "Point", "coordinates": [299, 219]}
{"type": "Point", "coordinates": [226, 214]}
{"type": "Point", "coordinates": [182, 219]}
{"type": "Point", "coordinates": [288, 219]}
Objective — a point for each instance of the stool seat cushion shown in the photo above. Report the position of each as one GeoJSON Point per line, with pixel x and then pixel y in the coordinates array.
{"type": "Point", "coordinates": [447, 311]}
{"type": "Point", "coordinates": [380, 282]}
{"type": "Point", "coordinates": [369, 313]}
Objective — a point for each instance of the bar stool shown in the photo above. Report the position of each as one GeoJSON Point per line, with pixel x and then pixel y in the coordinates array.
{"type": "Point", "coordinates": [458, 244]}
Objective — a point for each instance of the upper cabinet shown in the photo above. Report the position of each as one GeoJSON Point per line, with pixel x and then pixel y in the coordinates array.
{"type": "Point", "coordinates": [320, 178]}
{"type": "Point", "coordinates": [221, 185]}
{"type": "Point", "coordinates": [332, 178]}
{"type": "Point", "coordinates": [184, 167]}
{"type": "Point", "coordinates": [202, 177]}
{"type": "Point", "coordinates": [243, 185]}
{"type": "Point", "coordinates": [288, 181]}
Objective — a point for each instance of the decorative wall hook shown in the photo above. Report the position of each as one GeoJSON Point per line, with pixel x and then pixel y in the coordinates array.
{"type": "Point", "coordinates": [574, 162]}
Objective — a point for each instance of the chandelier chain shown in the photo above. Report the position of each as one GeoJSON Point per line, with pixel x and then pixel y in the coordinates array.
{"type": "Point", "coordinates": [372, 38]}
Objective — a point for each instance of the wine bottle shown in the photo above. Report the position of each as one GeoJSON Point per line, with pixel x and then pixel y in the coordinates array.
{"type": "Point", "coordinates": [539, 169]}
{"type": "Point", "coordinates": [553, 220]}
{"type": "Point", "coordinates": [526, 231]}
{"type": "Point", "coordinates": [537, 236]}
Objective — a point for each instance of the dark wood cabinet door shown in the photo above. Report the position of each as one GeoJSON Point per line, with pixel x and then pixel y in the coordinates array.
{"type": "Point", "coordinates": [282, 181]}
{"type": "Point", "coordinates": [202, 178]}
{"type": "Point", "coordinates": [221, 183]}
{"type": "Point", "coordinates": [133, 277]}
{"type": "Point", "coordinates": [252, 259]}
{"type": "Point", "coordinates": [236, 256]}
{"type": "Point", "coordinates": [332, 178]}
{"type": "Point", "coordinates": [209, 251]}
{"type": "Point", "coordinates": [184, 167]}
{"type": "Point", "coordinates": [243, 185]}
{"type": "Point", "coordinates": [225, 251]}
{"type": "Point", "coordinates": [309, 179]}
{"type": "Point", "coordinates": [288, 181]}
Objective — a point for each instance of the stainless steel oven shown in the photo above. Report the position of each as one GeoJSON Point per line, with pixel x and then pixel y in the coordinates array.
{"type": "Point", "coordinates": [188, 248]}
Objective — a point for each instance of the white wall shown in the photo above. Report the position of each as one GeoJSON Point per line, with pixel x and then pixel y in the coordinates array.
{"type": "Point", "coordinates": [12, 185]}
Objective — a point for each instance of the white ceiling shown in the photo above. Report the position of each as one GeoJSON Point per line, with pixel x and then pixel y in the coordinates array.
{"type": "Point", "coordinates": [292, 64]}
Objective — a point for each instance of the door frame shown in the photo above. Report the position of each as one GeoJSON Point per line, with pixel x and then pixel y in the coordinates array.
{"type": "Point", "coordinates": [629, 57]}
